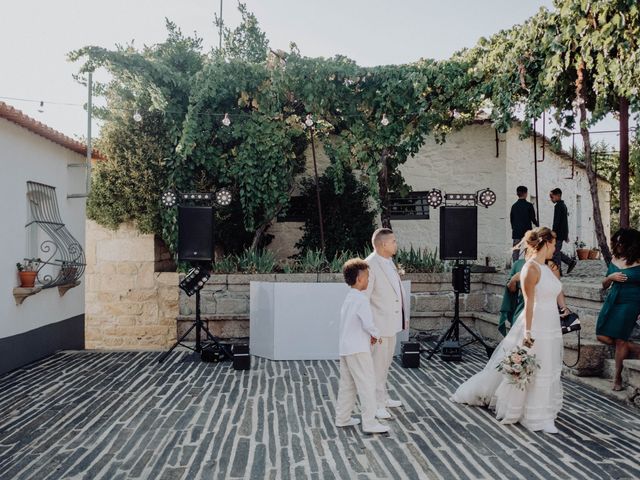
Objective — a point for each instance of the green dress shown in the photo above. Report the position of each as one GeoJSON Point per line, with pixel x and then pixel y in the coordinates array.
{"type": "Point", "coordinates": [512, 302]}
{"type": "Point", "coordinates": [622, 306]}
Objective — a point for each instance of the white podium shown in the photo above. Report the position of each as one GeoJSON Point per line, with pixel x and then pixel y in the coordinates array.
{"type": "Point", "coordinates": [299, 321]}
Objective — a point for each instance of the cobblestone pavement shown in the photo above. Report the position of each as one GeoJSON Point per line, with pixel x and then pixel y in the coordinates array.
{"type": "Point", "coordinates": [121, 415]}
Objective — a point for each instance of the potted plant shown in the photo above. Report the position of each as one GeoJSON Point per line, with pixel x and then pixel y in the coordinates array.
{"type": "Point", "coordinates": [581, 250]}
{"type": "Point", "coordinates": [594, 253]}
{"type": "Point", "coordinates": [28, 271]}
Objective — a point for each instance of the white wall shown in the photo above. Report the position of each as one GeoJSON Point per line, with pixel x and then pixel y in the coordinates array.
{"type": "Point", "coordinates": [553, 172]}
{"type": "Point", "coordinates": [25, 156]}
{"type": "Point", "coordinates": [465, 163]}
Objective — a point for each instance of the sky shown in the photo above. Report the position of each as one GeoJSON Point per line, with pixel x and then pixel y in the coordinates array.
{"type": "Point", "coordinates": [36, 35]}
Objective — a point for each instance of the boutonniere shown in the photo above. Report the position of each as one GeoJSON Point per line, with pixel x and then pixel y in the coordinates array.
{"type": "Point", "coordinates": [400, 269]}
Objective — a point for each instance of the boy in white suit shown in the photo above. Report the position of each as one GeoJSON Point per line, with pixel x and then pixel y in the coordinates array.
{"type": "Point", "coordinates": [357, 333]}
{"type": "Point", "coordinates": [389, 303]}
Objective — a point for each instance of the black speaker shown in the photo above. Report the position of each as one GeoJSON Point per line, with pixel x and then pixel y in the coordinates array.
{"type": "Point", "coordinates": [458, 233]}
{"type": "Point", "coordinates": [195, 233]}
{"type": "Point", "coordinates": [241, 357]}
{"type": "Point", "coordinates": [461, 279]}
{"type": "Point", "coordinates": [410, 354]}
{"type": "Point", "coordinates": [451, 351]}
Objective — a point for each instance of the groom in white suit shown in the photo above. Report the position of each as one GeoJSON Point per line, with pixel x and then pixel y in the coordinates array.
{"type": "Point", "coordinates": [389, 303]}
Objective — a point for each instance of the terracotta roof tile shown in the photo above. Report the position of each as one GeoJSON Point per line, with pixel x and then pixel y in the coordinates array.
{"type": "Point", "coordinates": [19, 118]}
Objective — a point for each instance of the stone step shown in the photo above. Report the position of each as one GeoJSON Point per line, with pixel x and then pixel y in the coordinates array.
{"type": "Point", "coordinates": [630, 371]}
{"type": "Point", "coordinates": [628, 396]}
{"type": "Point", "coordinates": [592, 356]}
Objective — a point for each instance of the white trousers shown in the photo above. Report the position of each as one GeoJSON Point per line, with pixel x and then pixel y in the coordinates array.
{"type": "Point", "coordinates": [357, 375]}
{"type": "Point", "coordinates": [382, 358]}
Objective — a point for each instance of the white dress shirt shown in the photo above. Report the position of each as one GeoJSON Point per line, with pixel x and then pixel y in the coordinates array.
{"type": "Point", "coordinates": [356, 324]}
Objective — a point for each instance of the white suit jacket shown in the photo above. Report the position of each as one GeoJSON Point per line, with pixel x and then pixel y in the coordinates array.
{"type": "Point", "coordinates": [386, 301]}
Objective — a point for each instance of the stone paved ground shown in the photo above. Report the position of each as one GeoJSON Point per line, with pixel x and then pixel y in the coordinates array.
{"type": "Point", "coordinates": [121, 415]}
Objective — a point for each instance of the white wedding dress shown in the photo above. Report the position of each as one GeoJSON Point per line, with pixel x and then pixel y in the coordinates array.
{"type": "Point", "coordinates": [538, 405]}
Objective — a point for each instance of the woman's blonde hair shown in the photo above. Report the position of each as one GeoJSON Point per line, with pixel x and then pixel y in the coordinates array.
{"type": "Point", "coordinates": [536, 239]}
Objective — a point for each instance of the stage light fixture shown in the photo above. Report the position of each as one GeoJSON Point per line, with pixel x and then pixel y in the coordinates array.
{"type": "Point", "coordinates": [168, 199]}
{"type": "Point", "coordinates": [486, 198]}
{"type": "Point", "coordinates": [434, 198]}
{"type": "Point", "coordinates": [223, 197]}
{"type": "Point", "coordinates": [194, 280]}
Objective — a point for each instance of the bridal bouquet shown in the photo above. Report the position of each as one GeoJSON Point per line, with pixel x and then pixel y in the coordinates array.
{"type": "Point", "coordinates": [519, 365]}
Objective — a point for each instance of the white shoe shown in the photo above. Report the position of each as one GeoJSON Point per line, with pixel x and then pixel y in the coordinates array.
{"type": "Point", "coordinates": [378, 428]}
{"type": "Point", "coordinates": [351, 423]}
{"type": "Point", "coordinates": [382, 414]}
{"type": "Point", "coordinates": [550, 428]}
{"type": "Point", "coordinates": [393, 403]}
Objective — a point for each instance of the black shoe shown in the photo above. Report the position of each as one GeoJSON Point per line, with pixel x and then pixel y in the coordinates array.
{"type": "Point", "coordinates": [572, 265]}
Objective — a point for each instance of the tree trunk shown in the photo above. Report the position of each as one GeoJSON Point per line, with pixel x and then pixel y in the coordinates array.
{"type": "Point", "coordinates": [318, 202]}
{"type": "Point", "coordinates": [383, 187]}
{"type": "Point", "coordinates": [591, 175]}
{"type": "Point", "coordinates": [624, 163]}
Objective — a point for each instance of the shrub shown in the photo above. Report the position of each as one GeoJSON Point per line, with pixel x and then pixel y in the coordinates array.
{"type": "Point", "coordinates": [348, 220]}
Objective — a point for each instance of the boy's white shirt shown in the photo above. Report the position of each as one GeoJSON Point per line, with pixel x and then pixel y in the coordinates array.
{"type": "Point", "coordinates": [356, 324]}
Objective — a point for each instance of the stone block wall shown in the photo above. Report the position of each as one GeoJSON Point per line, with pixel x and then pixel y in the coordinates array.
{"type": "Point", "coordinates": [128, 305]}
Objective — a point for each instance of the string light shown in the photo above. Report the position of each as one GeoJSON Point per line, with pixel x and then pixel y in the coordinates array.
{"type": "Point", "coordinates": [385, 120]}
{"type": "Point", "coordinates": [41, 108]}
{"type": "Point", "coordinates": [137, 117]}
{"type": "Point", "coordinates": [226, 121]}
{"type": "Point", "coordinates": [309, 120]}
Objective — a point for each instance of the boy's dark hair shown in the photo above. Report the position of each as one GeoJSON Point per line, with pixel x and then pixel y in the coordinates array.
{"type": "Point", "coordinates": [521, 190]}
{"type": "Point", "coordinates": [556, 191]}
{"type": "Point", "coordinates": [352, 268]}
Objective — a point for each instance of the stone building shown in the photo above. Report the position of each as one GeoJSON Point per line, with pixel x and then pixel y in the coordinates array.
{"type": "Point", "coordinates": [475, 158]}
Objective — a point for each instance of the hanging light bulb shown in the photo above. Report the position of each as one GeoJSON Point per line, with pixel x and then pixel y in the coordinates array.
{"type": "Point", "coordinates": [137, 117]}
{"type": "Point", "coordinates": [226, 121]}
{"type": "Point", "coordinates": [41, 108]}
{"type": "Point", "coordinates": [385, 120]}
{"type": "Point", "coordinates": [309, 120]}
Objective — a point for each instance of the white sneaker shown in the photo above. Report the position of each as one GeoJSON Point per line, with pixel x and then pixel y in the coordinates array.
{"type": "Point", "coordinates": [351, 423]}
{"type": "Point", "coordinates": [378, 428]}
{"type": "Point", "coordinates": [382, 414]}
{"type": "Point", "coordinates": [550, 428]}
{"type": "Point", "coordinates": [393, 403]}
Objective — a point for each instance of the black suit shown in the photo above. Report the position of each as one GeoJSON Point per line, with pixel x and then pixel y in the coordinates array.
{"type": "Point", "coordinates": [561, 227]}
{"type": "Point", "coordinates": [522, 217]}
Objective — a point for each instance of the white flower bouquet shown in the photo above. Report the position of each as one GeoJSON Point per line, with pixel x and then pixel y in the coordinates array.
{"type": "Point", "coordinates": [519, 365]}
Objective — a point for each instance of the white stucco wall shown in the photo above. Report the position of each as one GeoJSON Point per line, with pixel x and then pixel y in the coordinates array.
{"type": "Point", "coordinates": [25, 156]}
{"type": "Point", "coordinates": [555, 171]}
{"type": "Point", "coordinates": [465, 163]}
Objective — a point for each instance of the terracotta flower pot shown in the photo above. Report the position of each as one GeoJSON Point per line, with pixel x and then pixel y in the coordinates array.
{"type": "Point", "coordinates": [583, 253]}
{"type": "Point", "coordinates": [594, 254]}
{"type": "Point", "coordinates": [27, 279]}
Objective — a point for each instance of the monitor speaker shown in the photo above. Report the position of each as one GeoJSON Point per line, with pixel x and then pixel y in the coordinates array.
{"type": "Point", "coordinates": [195, 233]}
{"type": "Point", "coordinates": [458, 233]}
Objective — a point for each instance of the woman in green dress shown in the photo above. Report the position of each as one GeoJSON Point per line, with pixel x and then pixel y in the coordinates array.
{"type": "Point", "coordinates": [622, 306]}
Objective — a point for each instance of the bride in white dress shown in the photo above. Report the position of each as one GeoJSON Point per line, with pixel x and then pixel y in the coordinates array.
{"type": "Point", "coordinates": [536, 407]}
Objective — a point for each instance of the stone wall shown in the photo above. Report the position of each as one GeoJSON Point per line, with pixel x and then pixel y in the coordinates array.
{"type": "Point", "coordinates": [128, 304]}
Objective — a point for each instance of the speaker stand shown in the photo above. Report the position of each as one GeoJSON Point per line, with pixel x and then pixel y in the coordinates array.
{"type": "Point", "coordinates": [453, 332]}
{"type": "Point", "coordinates": [199, 326]}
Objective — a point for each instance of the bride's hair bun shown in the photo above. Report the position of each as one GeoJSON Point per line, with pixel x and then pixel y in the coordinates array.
{"type": "Point", "coordinates": [538, 237]}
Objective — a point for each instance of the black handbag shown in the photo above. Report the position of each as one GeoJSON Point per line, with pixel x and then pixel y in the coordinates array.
{"type": "Point", "coordinates": [570, 323]}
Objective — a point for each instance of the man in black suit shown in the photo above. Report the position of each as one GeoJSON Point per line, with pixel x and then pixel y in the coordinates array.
{"type": "Point", "coordinates": [523, 216]}
{"type": "Point", "coordinates": [561, 227]}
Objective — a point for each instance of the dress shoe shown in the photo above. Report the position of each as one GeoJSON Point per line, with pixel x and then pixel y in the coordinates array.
{"type": "Point", "coordinates": [550, 428]}
{"type": "Point", "coordinates": [352, 422]}
{"type": "Point", "coordinates": [382, 414]}
{"type": "Point", "coordinates": [393, 403]}
{"type": "Point", "coordinates": [378, 428]}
